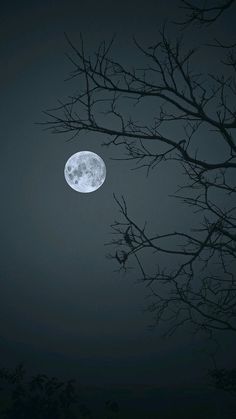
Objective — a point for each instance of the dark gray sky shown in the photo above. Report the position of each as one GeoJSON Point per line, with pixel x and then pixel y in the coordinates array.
{"type": "Point", "coordinates": [63, 308]}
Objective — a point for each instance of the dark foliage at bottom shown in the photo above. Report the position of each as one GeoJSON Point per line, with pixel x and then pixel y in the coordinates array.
{"type": "Point", "coordinates": [42, 397]}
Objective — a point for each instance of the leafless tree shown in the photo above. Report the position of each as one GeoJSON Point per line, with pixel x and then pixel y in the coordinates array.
{"type": "Point", "coordinates": [199, 286]}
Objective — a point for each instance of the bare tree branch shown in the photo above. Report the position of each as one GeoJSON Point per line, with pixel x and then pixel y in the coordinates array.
{"type": "Point", "coordinates": [203, 15]}
{"type": "Point", "coordinates": [199, 285]}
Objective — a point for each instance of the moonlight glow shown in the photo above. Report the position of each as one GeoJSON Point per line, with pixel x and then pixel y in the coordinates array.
{"type": "Point", "coordinates": [85, 171]}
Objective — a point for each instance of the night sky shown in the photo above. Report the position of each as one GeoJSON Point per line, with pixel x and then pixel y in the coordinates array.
{"type": "Point", "coordinates": [65, 310]}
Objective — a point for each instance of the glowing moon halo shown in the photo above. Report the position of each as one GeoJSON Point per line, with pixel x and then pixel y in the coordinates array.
{"type": "Point", "coordinates": [85, 171]}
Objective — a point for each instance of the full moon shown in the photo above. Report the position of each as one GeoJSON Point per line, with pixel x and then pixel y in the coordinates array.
{"type": "Point", "coordinates": [85, 171]}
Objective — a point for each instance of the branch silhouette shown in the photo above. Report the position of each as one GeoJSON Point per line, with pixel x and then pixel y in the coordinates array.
{"type": "Point", "coordinates": [201, 288]}
{"type": "Point", "coordinates": [203, 15]}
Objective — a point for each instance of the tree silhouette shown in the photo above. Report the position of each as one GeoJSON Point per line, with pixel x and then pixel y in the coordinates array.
{"type": "Point", "coordinates": [199, 285]}
{"type": "Point", "coordinates": [224, 379]}
{"type": "Point", "coordinates": [44, 397]}
{"type": "Point", "coordinates": [39, 396]}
